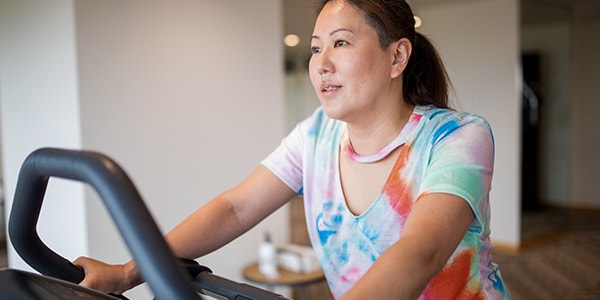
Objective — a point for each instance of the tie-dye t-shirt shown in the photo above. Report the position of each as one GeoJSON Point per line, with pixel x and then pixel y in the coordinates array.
{"type": "Point", "coordinates": [445, 151]}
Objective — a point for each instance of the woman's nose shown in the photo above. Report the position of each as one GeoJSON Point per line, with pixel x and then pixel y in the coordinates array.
{"type": "Point", "coordinates": [323, 63]}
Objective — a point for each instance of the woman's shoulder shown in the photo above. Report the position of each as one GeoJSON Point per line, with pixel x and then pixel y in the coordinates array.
{"type": "Point", "coordinates": [444, 116]}
{"type": "Point", "coordinates": [440, 123]}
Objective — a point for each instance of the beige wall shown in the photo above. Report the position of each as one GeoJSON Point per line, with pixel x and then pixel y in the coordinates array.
{"type": "Point", "coordinates": [186, 95]}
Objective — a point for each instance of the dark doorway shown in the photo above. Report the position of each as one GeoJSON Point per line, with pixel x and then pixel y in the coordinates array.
{"type": "Point", "coordinates": [530, 132]}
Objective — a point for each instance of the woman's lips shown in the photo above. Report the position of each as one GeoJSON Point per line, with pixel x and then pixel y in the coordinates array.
{"type": "Point", "coordinates": [330, 88]}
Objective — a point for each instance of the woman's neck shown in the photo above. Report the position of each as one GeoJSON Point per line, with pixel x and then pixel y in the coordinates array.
{"type": "Point", "coordinates": [368, 138]}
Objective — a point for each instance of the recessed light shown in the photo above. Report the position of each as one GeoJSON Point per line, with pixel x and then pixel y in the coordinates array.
{"type": "Point", "coordinates": [418, 22]}
{"type": "Point", "coordinates": [291, 40]}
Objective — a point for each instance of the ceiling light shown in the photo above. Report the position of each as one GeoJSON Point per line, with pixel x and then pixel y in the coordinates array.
{"type": "Point", "coordinates": [418, 22]}
{"type": "Point", "coordinates": [291, 40]}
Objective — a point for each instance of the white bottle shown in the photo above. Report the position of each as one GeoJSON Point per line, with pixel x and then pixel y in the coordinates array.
{"type": "Point", "coordinates": [267, 258]}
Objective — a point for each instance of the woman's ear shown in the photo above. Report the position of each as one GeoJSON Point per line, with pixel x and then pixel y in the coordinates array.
{"type": "Point", "coordinates": [402, 50]}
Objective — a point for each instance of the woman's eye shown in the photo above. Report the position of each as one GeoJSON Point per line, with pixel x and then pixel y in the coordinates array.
{"type": "Point", "coordinates": [339, 43]}
{"type": "Point", "coordinates": [315, 50]}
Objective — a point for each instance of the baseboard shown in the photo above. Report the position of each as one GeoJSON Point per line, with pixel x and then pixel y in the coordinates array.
{"type": "Point", "coordinates": [506, 248]}
{"type": "Point", "coordinates": [578, 207]}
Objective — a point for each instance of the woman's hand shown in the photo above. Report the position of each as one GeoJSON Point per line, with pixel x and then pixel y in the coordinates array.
{"type": "Point", "coordinates": [108, 278]}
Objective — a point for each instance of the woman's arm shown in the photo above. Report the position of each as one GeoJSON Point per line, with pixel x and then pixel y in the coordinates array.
{"type": "Point", "coordinates": [229, 215]}
{"type": "Point", "coordinates": [210, 227]}
{"type": "Point", "coordinates": [433, 230]}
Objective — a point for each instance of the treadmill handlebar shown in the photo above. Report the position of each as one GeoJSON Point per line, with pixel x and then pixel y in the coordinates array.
{"type": "Point", "coordinates": [162, 271]}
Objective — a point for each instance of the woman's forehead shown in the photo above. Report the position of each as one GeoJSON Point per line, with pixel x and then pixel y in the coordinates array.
{"type": "Point", "coordinates": [338, 15]}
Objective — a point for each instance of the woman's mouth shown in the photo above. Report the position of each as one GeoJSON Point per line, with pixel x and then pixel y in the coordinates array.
{"type": "Point", "coordinates": [330, 88]}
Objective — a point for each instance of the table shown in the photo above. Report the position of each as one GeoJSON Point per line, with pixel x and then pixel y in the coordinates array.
{"type": "Point", "coordinates": [285, 278]}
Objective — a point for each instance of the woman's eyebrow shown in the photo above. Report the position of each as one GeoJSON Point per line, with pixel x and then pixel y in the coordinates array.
{"type": "Point", "coordinates": [332, 33]}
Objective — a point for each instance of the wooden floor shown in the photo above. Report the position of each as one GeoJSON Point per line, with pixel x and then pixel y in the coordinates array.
{"type": "Point", "coordinates": [559, 259]}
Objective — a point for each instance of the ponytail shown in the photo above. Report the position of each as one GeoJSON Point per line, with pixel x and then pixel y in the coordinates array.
{"type": "Point", "coordinates": [425, 79]}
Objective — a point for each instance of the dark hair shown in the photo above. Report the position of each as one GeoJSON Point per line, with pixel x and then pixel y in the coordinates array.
{"type": "Point", "coordinates": [425, 80]}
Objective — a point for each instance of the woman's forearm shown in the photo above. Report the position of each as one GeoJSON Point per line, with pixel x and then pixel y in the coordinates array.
{"type": "Point", "coordinates": [402, 272]}
{"type": "Point", "coordinates": [206, 230]}
{"type": "Point", "coordinates": [229, 215]}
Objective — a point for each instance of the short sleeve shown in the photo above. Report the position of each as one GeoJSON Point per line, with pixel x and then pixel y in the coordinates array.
{"type": "Point", "coordinates": [286, 160]}
{"type": "Point", "coordinates": [461, 164]}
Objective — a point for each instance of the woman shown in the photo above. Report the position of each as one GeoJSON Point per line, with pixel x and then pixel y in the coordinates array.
{"type": "Point", "coordinates": [395, 184]}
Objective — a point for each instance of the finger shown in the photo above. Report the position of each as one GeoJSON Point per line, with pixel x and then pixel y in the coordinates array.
{"type": "Point", "coordinates": [82, 262]}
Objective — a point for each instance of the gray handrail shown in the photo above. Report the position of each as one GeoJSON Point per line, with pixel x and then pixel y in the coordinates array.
{"type": "Point", "coordinates": [165, 276]}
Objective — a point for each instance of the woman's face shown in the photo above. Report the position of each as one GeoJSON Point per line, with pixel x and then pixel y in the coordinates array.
{"type": "Point", "coordinates": [351, 73]}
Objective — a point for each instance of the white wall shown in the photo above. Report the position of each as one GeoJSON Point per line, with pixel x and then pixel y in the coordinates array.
{"type": "Point", "coordinates": [479, 43]}
{"type": "Point", "coordinates": [38, 77]}
{"type": "Point", "coordinates": [301, 99]}
{"type": "Point", "coordinates": [186, 95]}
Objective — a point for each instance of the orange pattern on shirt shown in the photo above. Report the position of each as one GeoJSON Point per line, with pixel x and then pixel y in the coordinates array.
{"type": "Point", "coordinates": [397, 190]}
{"type": "Point", "coordinates": [452, 281]}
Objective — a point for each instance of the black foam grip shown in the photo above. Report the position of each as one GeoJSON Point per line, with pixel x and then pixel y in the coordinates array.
{"type": "Point", "coordinates": [158, 267]}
